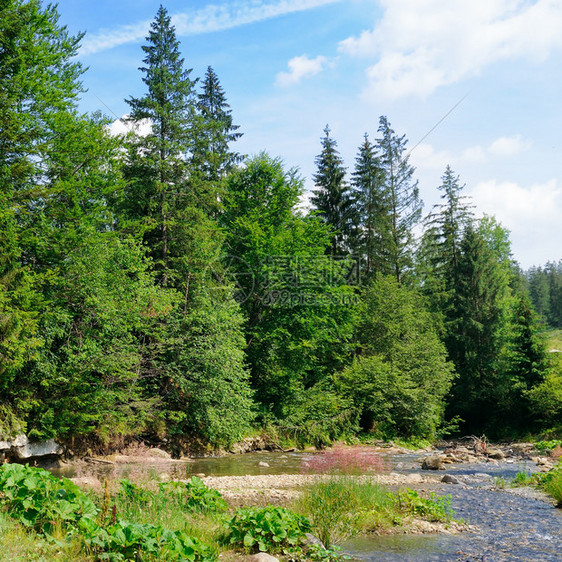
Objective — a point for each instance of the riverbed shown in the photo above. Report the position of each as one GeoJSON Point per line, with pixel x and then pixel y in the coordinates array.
{"type": "Point", "coordinates": [504, 523]}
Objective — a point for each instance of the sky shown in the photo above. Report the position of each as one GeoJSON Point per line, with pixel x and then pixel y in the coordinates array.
{"type": "Point", "coordinates": [474, 84]}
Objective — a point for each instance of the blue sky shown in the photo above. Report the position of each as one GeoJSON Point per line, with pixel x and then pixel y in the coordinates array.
{"type": "Point", "coordinates": [289, 67]}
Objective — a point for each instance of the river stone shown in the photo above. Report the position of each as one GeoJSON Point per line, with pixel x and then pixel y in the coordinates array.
{"type": "Point", "coordinates": [264, 464]}
{"type": "Point", "coordinates": [158, 453]}
{"type": "Point", "coordinates": [449, 479]}
{"type": "Point", "coordinates": [263, 557]}
{"type": "Point", "coordinates": [88, 482]}
{"type": "Point", "coordinates": [433, 462]}
{"type": "Point", "coordinates": [497, 454]}
{"type": "Point", "coordinates": [311, 539]}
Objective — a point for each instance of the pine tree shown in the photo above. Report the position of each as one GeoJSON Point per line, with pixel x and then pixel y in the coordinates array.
{"type": "Point", "coordinates": [212, 154]}
{"type": "Point", "coordinates": [332, 198]}
{"type": "Point", "coordinates": [157, 169]}
{"type": "Point", "coordinates": [475, 323]}
{"type": "Point", "coordinates": [371, 209]}
{"type": "Point", "coordinates": [439, 251]}
{"type": "Point", "coordinates": [403, 195]}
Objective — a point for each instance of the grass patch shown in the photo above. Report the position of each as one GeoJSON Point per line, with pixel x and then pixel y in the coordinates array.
{"type": "Point", "coordinates": [342, 506]}
{"type": "Point", "coordinates": [553, 340]}
{"type": "Point", "coordinates": [553, 486]}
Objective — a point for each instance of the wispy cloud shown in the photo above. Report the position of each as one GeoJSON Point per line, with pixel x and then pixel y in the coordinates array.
{"type": "Point", "coordinates": [420, 45]}
{"type": "Point", "coordinates": [299, 68]}
{"type": "Point", "coordinates": [209, 19]}
{"type": "Point", "coordinates": [425, 156]}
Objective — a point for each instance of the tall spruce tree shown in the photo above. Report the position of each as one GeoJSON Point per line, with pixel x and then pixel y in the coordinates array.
{"type": "Point", "coordinates": [157, 170]}
{"type": "Point", "coordinates": [405, 205]}
{"type": "Point", "coordinates": [332, 198]}
{"type": "Point", "coordinates": [212, 154]}
{"type": "Point", "coordinates": [439, 251]}
{"type": "Point", "coordinates": [371, 209]}
{"type": "Point", "coordinates": [476, 321]}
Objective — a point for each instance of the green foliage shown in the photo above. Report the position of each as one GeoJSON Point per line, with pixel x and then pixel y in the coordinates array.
{"type": "Point", "coordinates": [553, 486]}
{"type": "Point", "coordinates": [192, 496]}
{"type": "Point", "coordinates": [371, 210]}
{"type": "Point", "coordinates": [544, 446]}
{"type": "Point", "coordinates": [434, 508]}
{"type": "Point", "coordinates": [144, 541]}
{"type": "Point", "coordinates": [403, 205]}
{"type": "Point", "coordinates": [297, 304]}
{"type": "Point", "coordinates": [546, 398]}
{"type": "Point", "coordinates": [319, 416]}
{"type": "Point", "coordinates": [477, 327]}
{"type": "Point", "coordinates": [199, 497]}
{"type": "Point", "coordinates": [51, 505]}
{"type": "Point", "coordinates": [524, 479]}
{"type": "Point", "coordinates": [267, 529]}
{"type": "Point", "coordinates": [41, 501]}
{"type": "Point", "coordinates": [545, 289]}
{"type": "Point", "coordinates": [399, 382]}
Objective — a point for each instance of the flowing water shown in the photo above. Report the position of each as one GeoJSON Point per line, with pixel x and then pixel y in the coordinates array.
{"type": "Point", "coordinates": [509, 524]}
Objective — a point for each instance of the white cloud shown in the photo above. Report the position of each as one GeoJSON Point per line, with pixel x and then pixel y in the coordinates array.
{"type": "Point", "coordinates": [509, 146]}
{"type": "Point", "coordinates": [122, 127]}
{"type": "Point", "coordinates": [301, 67]}
{"type": "Point", "coordinates": [208, 19]}
{"type": "Point", "coordinates": [420, 45]}
{"type": "Point", "coordinates": [427, 157]}
{"type": "Point", "coordinates": [533, 215]}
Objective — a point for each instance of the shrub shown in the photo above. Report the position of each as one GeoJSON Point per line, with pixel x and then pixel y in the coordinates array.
{"type": "Point", "coordinates": [434, 508]}
{"type": "Point", "coordinates": [137, 541]}
{"type": "Point", "coordinates": [198, 496]}
{"type": "Point", "coordinates": [39, 500]}
{"type": "Point", "coordinates": [553, 486]}
{"type": "Point", "coordinates": [267, 529]}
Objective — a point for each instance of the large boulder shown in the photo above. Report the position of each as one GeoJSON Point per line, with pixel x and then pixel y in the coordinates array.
{"type": "Point", "coordinates": [433, 462]}
{"type": "Point", "coordinates": [20, 448]}
{"type": "Point", "coordinates": [495, 453]}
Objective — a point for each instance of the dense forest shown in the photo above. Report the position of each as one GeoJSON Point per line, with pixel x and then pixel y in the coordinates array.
{"type": "Point", "coordinates": [164, 287]}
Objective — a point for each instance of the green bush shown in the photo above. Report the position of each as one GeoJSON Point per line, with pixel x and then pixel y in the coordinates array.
{"type": "Point", "coordinates": [39, 500]}
{"type": "Point", "coordinates": [553, 486]}
{"type": "Point", "coordinates": [267, 529]}
{"type": "Point", "coordinates": [198, 496]}
{"type": "Point", "coordinates": [434, 508]}
{"type": "Point", "coordinates": [138, 541]}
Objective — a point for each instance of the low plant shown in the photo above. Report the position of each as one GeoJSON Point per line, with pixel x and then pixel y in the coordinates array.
{"type": "Point", "coordinates": [524, 479]}
{"type": "Point", "coordinates": [57, 509]}
{"type": "Point", "coordinates": [197, 496]}
{"type": "Point", "coordinates": [267, 529]}
{"type": "Point", "coordinates": [434, 508]}
{"type": "Point", "coordinates": [39, 500]}
{"type": "Point", "coordinates": [499, 483]}
{"type": "Point", "coordinates": [553, 486]}
{"type": "Point", "coordinates": [547, 446]}
{"type": "Point", "coordinates": [144, 541]}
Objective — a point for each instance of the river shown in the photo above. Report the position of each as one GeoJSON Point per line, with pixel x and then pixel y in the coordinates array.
{"type": "Point", "coordinates": [507, 524]}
